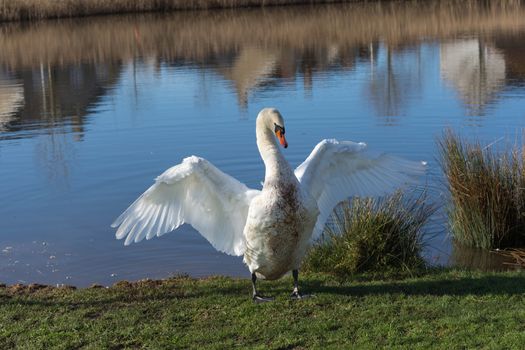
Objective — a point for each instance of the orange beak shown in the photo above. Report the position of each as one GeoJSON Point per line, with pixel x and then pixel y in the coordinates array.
{"type": "Point", "coordinates": [282, 139]}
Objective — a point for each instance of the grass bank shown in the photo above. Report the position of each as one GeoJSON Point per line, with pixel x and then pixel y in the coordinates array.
{"type": "Point", "coordinates": [14, 10]}
{"type": "Point", "coordinates": [443, 309]}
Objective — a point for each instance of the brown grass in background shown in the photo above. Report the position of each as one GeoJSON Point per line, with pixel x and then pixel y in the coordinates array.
{"type": "Point", "coordinates": [14, 10]}
{"type": "Point", "coordinates": [199, 35]}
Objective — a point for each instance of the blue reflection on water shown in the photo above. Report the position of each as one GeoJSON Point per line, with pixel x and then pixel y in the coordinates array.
{"type": "Point", "coordinates": [89, 138]}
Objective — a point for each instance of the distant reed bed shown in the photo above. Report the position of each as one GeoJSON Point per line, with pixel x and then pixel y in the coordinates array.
{"type": "Point", "coordinates": [199, 35]}
{"type": "Point", "coordinates": [14, 10]}
{"type": "Point", "coordinates": [487, 188]}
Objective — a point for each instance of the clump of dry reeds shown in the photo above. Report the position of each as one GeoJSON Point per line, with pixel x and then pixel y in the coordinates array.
{"type": "Point", "coordinates": [517, 256]}
{"type": "Point", "coordinates": [487, 193]}
{"type": "Point", "coordinates": [372, 235]}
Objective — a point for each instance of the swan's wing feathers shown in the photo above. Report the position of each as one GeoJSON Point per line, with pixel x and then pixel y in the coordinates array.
{"type": "Point", "coordinates": [322, 159]}
{"type": "Point", "coordinates": [193, 192]}
{"type": "Point", "coordinates": [337, 170]}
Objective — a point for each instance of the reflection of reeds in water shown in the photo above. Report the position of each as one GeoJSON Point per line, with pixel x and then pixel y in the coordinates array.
{"type": "Point", "coordinates": [251, 66]}
{"type": "Point", "coordinates": [11, 97]}
{"type": "Point", "coordinates": [479, 259]}
{"type": "Point", "coordinates": [475, 70]}
{"type": "Point", "coordinates": [202, 35]}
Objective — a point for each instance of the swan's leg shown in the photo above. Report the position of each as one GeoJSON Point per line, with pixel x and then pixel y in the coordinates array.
{"type": "Point", "coordinates": [295, 293]}
{"type": "Point", "coordinates": [256, 296]}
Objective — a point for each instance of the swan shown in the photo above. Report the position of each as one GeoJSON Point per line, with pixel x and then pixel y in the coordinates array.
{"type": "Point", "coordinates": [271, 227]}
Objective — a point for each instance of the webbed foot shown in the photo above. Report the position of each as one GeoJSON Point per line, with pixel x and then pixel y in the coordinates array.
{"type": "Point", "coordinates": [257, 298]}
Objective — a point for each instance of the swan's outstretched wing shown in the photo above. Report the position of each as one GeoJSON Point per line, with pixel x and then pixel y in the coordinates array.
{"type": "Point", "coordinates": [336, 170]}
{"type": "Point", "coordinates": [193, 192]}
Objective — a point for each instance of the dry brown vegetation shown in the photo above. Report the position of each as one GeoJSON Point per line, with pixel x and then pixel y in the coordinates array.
{"type": "Point", "coordinates": [516, 255]}
{"type": "Point", "coordinates": [14, 10]}
{"type": "Point", "coordinates": [200, 35]}
{"type": "Point", "coordinates": [486, 187]}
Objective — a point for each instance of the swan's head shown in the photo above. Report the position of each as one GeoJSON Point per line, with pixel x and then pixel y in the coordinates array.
{"type": "Point", "coordinates": [273, 120]}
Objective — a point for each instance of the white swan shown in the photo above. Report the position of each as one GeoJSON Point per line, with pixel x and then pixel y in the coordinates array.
{"type": "Point", "coordinates": [271, 227]}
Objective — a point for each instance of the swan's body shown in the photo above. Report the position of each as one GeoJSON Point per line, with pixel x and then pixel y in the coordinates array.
{"type": "Point", "coordinates": [272, 227]}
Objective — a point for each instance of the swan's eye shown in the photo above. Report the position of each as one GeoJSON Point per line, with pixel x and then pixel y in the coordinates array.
{"type": "Point", "coordinates": [278, 128]}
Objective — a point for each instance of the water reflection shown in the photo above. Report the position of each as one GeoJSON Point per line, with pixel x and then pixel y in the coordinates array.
{"type": "Point", "coordinates": [476, 70]}
{"type": "Point", "coordinates": [65, 66]}
{"type": "Point", "coordinates": [53, 96]}
{"type": "Point", "coordinates": [11, 97]}
{"type": "Point", "coordinates": [97, 107]}
{"type": "Point", "coordinates": [393, 79]}
{"type": "Point", "coordinates": [251, 68]}
{"type": "Point", "coordinates": [480, 259]}
{"type": "Point", "coordinates": [509, 45]}
{"type": "Point", "coordinates": [54, 100]}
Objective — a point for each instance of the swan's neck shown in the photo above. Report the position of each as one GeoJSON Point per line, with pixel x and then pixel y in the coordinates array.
{"type": "Point", "coordinates": [277, 168]}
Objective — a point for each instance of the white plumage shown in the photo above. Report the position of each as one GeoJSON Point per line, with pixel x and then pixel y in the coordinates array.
{"type": "Point", "coordinates": [336, 170]}
{"type": "Point", "coordinates": [193, 192]}
{"type": "Point", "coordinates": [271, 227]}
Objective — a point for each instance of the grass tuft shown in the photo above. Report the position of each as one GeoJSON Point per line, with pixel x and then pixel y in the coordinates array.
{"type": "Point", "coordinates": [372, 235]}
{"type": "Point", "coordinates": [486, 188]}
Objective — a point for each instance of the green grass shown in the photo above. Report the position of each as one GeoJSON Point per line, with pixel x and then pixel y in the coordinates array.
{"type": "Point", "coordinates": [372, 235]}
{"type": "Point", "coordinates": [442, 309]}
{"type": "Point", "coordinates": [486, 187]}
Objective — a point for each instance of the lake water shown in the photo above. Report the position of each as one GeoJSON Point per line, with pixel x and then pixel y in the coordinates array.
{"type": "Point", "coordinates": [91, 110]}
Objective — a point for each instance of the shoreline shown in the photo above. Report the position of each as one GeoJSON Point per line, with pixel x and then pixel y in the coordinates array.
{"type": "Point", "coordinates": [31, 10]}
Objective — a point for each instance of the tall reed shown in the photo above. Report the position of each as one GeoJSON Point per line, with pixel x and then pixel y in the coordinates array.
{"type": "Point", "coordinates": [372, 235]}
{"type": "Point", "coordinates": [487, 192]}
